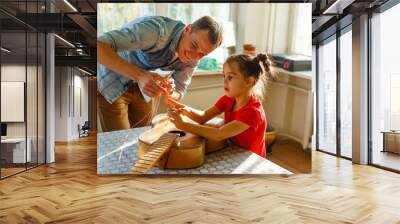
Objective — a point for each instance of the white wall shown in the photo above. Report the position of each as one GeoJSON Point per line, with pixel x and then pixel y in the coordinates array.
{"type": "Point", "coordinates": [14, 73]}
{"type": "Point", "coordinates": [69, 85]}
{"type": "Point", "coordinates": [33, 127]}
{"type": "Point", "coordinates": [288, 105]}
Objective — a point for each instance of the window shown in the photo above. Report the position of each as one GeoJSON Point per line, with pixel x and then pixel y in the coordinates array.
{"type": "Point", "coordinates": [327, 97]}
{"type": "Point", "coordinates": [385, 84]}
{"type": "Point", "coordinates": [301, 20]}
{"type": "Point", "coordinates": [394, 119]}
{"type": "Point", "coordinates": [186, 12]}
{"type": "Point", "coordinates": [329, 112]}
{"type": "Point", "coordinates": [190, 12]}
{"type": "Point", "coordinates": [346, 94]}
{"type": "Point", "coordinates": [125, 11]}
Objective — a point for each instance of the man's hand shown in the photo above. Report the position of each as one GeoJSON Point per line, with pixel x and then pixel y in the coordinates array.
{"type": "Point", "coordinates": [169, 84]}
{"type": "Point", "coordinates": [147, 81]}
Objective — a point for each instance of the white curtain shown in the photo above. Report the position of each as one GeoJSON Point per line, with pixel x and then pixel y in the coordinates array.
{"type": "Point", "coordinates": [275, 28]}
{"type": "Point", "coordinates": [301, 37]}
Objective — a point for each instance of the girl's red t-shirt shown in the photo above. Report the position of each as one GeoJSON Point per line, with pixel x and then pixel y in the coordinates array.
{"type": "Point", "coordinates": [251, 114]}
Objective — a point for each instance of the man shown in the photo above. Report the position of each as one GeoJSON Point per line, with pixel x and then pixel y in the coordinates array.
{"type": "Point", "coordinates": [127, 56]}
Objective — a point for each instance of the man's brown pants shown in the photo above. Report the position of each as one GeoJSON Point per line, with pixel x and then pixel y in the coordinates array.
{"type": "Point", "coordinates": [129, 111]}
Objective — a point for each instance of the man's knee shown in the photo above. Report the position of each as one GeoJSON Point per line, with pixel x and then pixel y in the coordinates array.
{"type": "Point", "coordinates": [112, 116]}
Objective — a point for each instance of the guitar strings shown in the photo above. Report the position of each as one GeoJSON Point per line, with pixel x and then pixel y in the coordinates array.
{"type": "Point", "coordinates": [154, 108]}
{"type": "Point", "coordinates": [151, 113]}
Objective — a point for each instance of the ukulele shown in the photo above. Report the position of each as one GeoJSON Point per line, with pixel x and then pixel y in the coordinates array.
{"type": "Point", "coordinates": [167, 147]}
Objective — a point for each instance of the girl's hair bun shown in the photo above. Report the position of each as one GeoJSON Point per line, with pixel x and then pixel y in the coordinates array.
{"type": "Point", "coordinates": [263, 58]}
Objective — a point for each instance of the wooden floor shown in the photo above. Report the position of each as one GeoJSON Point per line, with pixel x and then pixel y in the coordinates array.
{"type": "Point", "coordinates": [290, 155]}
{"type": "Point", "coordinates": [70, 191]}
{"type": "Point", "coordinates": [387, 159]}
{"type": "Point", "coordinates": [10, 171]}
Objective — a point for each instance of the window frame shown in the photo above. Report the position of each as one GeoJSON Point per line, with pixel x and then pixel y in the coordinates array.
{"type": "Point", "coordinates": [334, 37]}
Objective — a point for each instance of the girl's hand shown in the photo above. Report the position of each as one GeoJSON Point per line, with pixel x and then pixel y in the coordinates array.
{"type": "Point", "coordinates": [176, 118]}
{"type": "Point", "coordinates": [184, 110]}
{"type": "Point", "coordinates": [173, 103]}
{"type": "Point", "coordinates": [181, 108]}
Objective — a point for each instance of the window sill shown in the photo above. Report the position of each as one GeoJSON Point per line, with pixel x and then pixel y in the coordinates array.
{"type": "Point", "coordinates": [300, 74]}
{"type": "Point", "coordinates": [200, 72]}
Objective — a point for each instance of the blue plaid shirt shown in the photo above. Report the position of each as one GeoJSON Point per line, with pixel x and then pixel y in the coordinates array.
{"type": "Point", "coordinates": [150, 43]}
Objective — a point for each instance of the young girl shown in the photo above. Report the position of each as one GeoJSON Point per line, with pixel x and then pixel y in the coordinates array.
{"type": "Point", "coordinates": [244, 120]}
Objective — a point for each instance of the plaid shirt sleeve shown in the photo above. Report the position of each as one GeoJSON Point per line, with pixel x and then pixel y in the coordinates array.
{"type": "Point", "coordinates": [183, 76]}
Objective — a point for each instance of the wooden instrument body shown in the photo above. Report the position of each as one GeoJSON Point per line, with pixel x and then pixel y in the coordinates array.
{"type": "Point", "coordinates": [188, 151]}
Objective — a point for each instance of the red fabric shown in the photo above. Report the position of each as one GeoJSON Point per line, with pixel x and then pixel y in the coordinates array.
{"type": "Point", "coordinates": [251, 114]}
